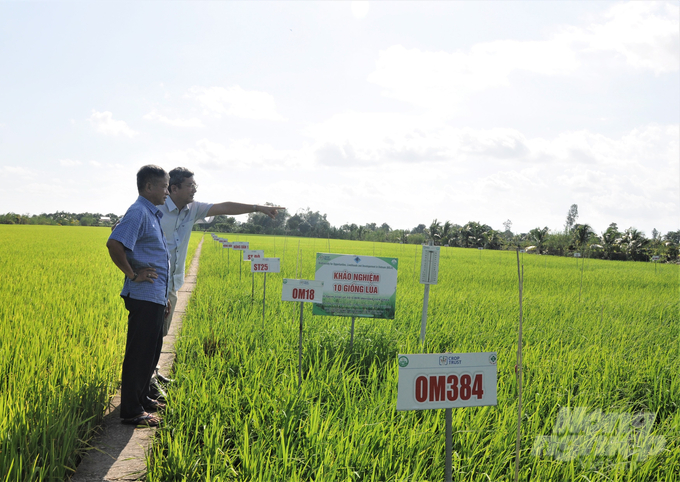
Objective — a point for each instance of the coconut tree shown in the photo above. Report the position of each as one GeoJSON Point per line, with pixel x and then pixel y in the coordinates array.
{"type": "Point", "coordinates": [435, 231]}
{"type": "Point", "coordinates": [633, 243]}
{"type": "Point", "coordinates": [538, 237]}
{"type": "Point", "coordinates": [609, 241]}
{"type": "Point", "coordinates": [582, 233]}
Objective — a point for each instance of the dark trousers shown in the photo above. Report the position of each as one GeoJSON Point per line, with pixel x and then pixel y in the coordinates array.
{"type": "Point", "coordinates": [142, 352]}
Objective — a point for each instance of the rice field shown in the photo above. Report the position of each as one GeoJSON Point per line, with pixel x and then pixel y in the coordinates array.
{"type": "Point", "coordinates": [62, 341]}
{"type": "Point", "coordinates": [600, 338]}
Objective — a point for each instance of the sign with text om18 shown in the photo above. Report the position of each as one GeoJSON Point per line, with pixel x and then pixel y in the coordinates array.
{"type": "Point", "coordinates": [302, 290]}
{"type": "Point", "coordinates": [446, 380]}
{"type": "Point", "coordinates": [363, 286]}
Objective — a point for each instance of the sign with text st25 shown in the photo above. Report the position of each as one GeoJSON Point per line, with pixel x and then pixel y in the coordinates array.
{"type": "Point", "coordinates": [302, 290]}
{"type": "Point", "coordinates": [429, 265]}
{"type": "Point", "coordinates": [446, 380]}
{"type": "Point", "coordinates": [364, 286]}
{"type": "Point", "coordinates": [240, 245]}
{"type": "Point", "coordinates": [265, 265]}
{"type": "Point", "coordinates": [251, 254]}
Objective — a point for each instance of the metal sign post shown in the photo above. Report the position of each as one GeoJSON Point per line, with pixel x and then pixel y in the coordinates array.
{"type": "Point", "coordinates": [429, 274]}
{"type": "Point", "coordinates": [351, 335]}
{"type": "Point", "coordinates": [303, 291]}
{"type": "Point", "coordinates": [240, 246]}
{"type": "Point", "coordinates": [265, 265]}
{"type": "Point", "coordinates": [447, 380]}
{"type": "Point", "coordinates": [249, 255]}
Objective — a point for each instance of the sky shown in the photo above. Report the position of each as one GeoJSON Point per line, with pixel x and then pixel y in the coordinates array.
{"type": "Point", "coordinates": [386, 112]}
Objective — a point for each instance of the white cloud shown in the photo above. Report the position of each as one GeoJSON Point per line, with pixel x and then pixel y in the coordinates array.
{"type": "Point", "coordinates": [359, 8]}
{"type": "Point", "coordinates": [239, 155]}
{"type": "Point", "coordinates": [69, 162]}
{"type": "Point", "coordinates": [96, 164]}
{"type": "Point", "coordinates": [368, 138]}
{"type": "Point", "coordinates": [104, 123]}
{"type": "Point", "coordinates": [234, 101]}
{"type": "Point", "coordinates": [155, 116]}
{"type": "Point", "coordinates": [18, 171]}
{"type": "Point", "coordinates": [645, 35]}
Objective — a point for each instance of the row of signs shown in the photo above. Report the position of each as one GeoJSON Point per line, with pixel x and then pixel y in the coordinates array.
{"type": "Point", "coordinates": [366, 286]}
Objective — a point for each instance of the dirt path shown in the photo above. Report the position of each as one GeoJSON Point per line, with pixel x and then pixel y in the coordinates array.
{"type": "Point", "coordinates": [119, 451]}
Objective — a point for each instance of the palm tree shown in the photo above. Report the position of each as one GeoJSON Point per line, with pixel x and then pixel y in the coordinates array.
{"type": "Point", "coordinates": [608, 240]}
{"type": "Point", "coordinates": [446, 232]}
{"type": "Point", "coordinates": [582, 234]}
{"type": "Point", "coordinates": [633, 243]}
{"type": "Point", "coordinates": [434, 231]}
{"type": "Point", "coordinates": [538, 237]}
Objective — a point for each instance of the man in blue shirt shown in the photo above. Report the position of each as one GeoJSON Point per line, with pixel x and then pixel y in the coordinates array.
{"type": "Point", "coordinates": [138, 248]}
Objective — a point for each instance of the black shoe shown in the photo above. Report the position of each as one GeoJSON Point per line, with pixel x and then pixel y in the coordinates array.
{"type": "Point", "coordinates": [163, 379]}
{"type": "Point", "coordinates": [156, 391]}
{"type": "Point", "coordinates": [154, 406]}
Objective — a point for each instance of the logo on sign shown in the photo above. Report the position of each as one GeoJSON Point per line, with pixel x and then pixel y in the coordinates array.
{"type": "Point", "coordinates": [357, 259]}
{"type": "Point", "coordinates": [403, 361]}
{"type": "Point", "coordinates": [449, 360]}
{"type": "Point", "coordinates": [492, 359]}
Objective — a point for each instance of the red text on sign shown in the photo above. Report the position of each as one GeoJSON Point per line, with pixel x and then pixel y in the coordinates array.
{"type": "Point", "coordinates": [441, 388]}
{"type": "Point", "coordinates": [353, 288]}
{"type": "Point", "coordinates": [303, 294]}
{"type": "Point", "coordinates": [364, 277]}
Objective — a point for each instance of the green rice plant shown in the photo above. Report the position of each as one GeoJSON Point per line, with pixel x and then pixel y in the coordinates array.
{"type": "Point", "coordinates": [236, 413]}
{"type": "Point", "coordinates": [62, 342]}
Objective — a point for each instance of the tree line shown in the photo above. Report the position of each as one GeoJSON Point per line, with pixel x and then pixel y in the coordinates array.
{"type": "Point", "coordinates": [613, 243]}
{"type": "Point", "coordinates": [61, 218]}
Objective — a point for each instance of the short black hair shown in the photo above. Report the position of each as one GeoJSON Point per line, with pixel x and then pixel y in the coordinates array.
{"type": "Point", "coordinates": [149, 173]}
{"type": "Point", "coordinates": [178, 175]}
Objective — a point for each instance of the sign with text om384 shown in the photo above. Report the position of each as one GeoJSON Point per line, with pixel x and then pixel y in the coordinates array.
{"type": "Point", "coordinates": [446, 380]}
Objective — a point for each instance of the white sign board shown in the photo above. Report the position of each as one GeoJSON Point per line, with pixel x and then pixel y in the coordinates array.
{"type": "Point", "coordinates": [655, 258]}
{"type": "Point", "coordinates": [302, 290]}
{"type": "Point", "coordinates": [240, 245]}
{"type": "Point", "coordinates": [577, 255]}
{"type": "Point", "coordinates": [429, 265]}
{"type": "Point", "coordinates": [250, 254]}
{"type": "Point", "coordinates": [447, 380]}
{"type": "Point", "coordinates": [226, 244]}
{"type": "Point", "coordinates": [266, 265]}
{"type": "Point", "coordinates": [364, 286]}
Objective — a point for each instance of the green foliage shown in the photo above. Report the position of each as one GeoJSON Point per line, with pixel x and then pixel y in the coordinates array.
{"type": "Point", "coordinates": [62, 336]}
{"type": "Point", "coordinates": [62, 340]}
{"type": "Point", "coordinates": [235, 412]}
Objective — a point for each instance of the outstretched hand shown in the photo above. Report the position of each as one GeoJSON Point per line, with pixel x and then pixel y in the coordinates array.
{"type": "Point", "coordinates": [270, 211]}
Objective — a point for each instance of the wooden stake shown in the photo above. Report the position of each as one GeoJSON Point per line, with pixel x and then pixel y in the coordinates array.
{"type": "Point", "coordinates": [520, 275]}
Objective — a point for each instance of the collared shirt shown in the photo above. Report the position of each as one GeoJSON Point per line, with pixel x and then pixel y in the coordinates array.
{"type": "Point", "coordinates": [177, 229]}
{"type": "Point", "coordinates": [140, 233]}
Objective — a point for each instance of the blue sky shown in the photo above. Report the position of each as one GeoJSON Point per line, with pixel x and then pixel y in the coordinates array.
{"type": "Point", "coordinates": [397, 112]}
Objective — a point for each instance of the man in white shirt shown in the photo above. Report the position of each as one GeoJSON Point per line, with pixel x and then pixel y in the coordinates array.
{"type": "Point", "coordinates": [180, 212]}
